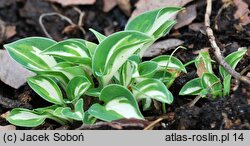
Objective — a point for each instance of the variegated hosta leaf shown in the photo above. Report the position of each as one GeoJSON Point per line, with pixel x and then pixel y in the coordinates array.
{"type": "Point", "coordinates": [163, 76]}
{"type": "Point", "coordinates": [77, 87]}
{"type": "Point", "coordinates": [27, 52]}
{"type": "Point", "coordinates": [77, 114]}
{"type": "Point", "coordinates": [118, 102]}
{"type": "Point", "coordinates": [72, 51]}
{"type": "Point", "coordinates": [192, 87]}
{"type": "Point", "coordinates": [146, 103]}
{"type": "Point", "coordinates": [127, 72]}
{"type": "Point", "coordinates": [91, 46]}
{"type": "Point", "coordinates": [94, 92]}
{"type": "Point", "coordinates": [100, 37]}
{"type": "Point", "coordinates": [226, 85]}
{"type": "Point", "coordinates": [48, 109]}
{"type": "Point", "coordinates": [25, 118]}
{"type": "Point", "coordinates": [212, 83]}
{"type": "Point", "coordinates": [152, 89]}
{"type": "Point", "coordinates": [53, 112]}
{"type": "Point", "coordinates": [64, 72]}
{"type": "Point", "coordinates": [206, 61]}
{"type": "Point", "coordinates": [232, 59]}
{"type": "Point", "coordinates": [70, 70]}
{"type": "Point", "coordinates": [47, 89]}
{"type": "Point", "coordinates": [155, 23]}
{"type": "Point", "coordinates": [88, 119]}
{"type": "Point", "coordinates": [135, 58]}
{"type": "Point", "coordinates": [167, 62]}
{"type": "Point", "coordinates": [147, 69]}
{"type": "Point", "coordinates": [100, 112]}
{"type": "Point", "coordinates": [112, 52]}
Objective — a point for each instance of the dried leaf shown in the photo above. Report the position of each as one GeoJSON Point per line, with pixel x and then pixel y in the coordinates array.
{"type": "Point", "coordinates": [11, 73]}
{"type": "Point", "coordinates": [202, 66]}
{"type": "Point", "coordinates": [147, 5]}
{"type": "Point", "coordinates": [4, 115]}
{"type": "Point", "coordinates": [125, 6]}
{"type": "Point", "coordinates": [7, 127]}
{"type": "Point", "coordinates": [227, 121]}
{"type": "Point", "coordinates": [196, 26]}
{"type": "Point", "coordinates": [242, 12]}
{"type": "Point", "coordinates": [109, 5]}
{"type": "Point", "coordinates": [186, 16]}
{"type": "Point", "coordinates": [201, 69]}
{"type": "Point", "coordinates": [6, 31]}
{"type": "Point", "coordinates": [161, 47]}
{"type": "Point", "coordinates": [73, 2]}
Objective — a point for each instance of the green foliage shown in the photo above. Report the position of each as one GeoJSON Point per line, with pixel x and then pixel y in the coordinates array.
{"type": "Point", "coordinates": [209, 83]}
{"type": "Point", "coordinates": [111, 72]}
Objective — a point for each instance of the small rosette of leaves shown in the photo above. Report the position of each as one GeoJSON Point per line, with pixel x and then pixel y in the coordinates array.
{"type": "Point", "coordinates": [208, 83]}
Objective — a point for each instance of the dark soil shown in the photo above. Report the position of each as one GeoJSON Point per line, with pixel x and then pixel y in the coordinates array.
{"type": "Point", "coordinates": [232, 112]}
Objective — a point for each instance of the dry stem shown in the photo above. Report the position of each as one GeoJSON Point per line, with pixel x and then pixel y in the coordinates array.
{"type": "Point", "coordinates": [216, 50]}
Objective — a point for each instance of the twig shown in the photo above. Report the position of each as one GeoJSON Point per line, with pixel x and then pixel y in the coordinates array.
{"type": "Point", "coordinates": [151, 126]}
{"type": "Point", "coordinates": [216, 49]}
{"type": "Point", "coordinates": [193, 102]}
{"type": "Point", "coordinates": [117, 124]}
{"type": "Point", "coordinates": [52, 14]}
{"type": "Point", "coordinates": [197, 98]}
{"type": "Point", "coordinates": [80, 20]}
{"type": "Point", "coordinates": [225, 5]}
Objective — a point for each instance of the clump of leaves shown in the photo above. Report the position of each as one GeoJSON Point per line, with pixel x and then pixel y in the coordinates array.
{"type": "Point", "coordinates": [68, 70]}
{"type": "Point", "coordinates": [208, 84]}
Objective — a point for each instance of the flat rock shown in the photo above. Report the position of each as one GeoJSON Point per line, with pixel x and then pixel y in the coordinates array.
{"type": "Point", "coordinates": [12, 73]}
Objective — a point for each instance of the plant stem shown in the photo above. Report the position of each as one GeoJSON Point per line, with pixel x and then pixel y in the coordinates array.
{"type": "Point", "coordinates": [164, 108]}
{"type": "Point", "coordinates": [61, 121]}
{"type": "Point", "coordinates": [197, 98]}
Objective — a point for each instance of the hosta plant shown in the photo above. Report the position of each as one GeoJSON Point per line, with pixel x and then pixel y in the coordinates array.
{"type": "Point", "coordinates": [208, 84]}
{"type": "Point", "coordinates": [111, 72]}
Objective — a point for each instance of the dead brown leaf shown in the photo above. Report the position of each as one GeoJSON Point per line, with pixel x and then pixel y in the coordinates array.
{"type": "Point", "coordinates": [201, 68]}
{"type": "Point", "coordinates": [4, 115]}
{"type": "Point", "coordinates": [125, 6]}
{"type": "Point", "coordinates": [7, 127]}
{"type": "Point", "coordinates": [6, 31]}
{"type": "Point", "coordinates": [227, 121]}
{"type": "Point", "coordinates": [186, 16]}
{"type": "Point", "coordinates": [73, 2]}
{"type": "Point", "coordinates": [11, 73]}
{"type": "Point", "coordinates": [109, 5]}
{"type": "Point", "coordinates": [147, 5]}
{"type": "Point", "coordinates": [242, 12]}
{"type": "Point", "coordinates": [196, 26]}
{"type": "Point", "coordinates": [161, 47]}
